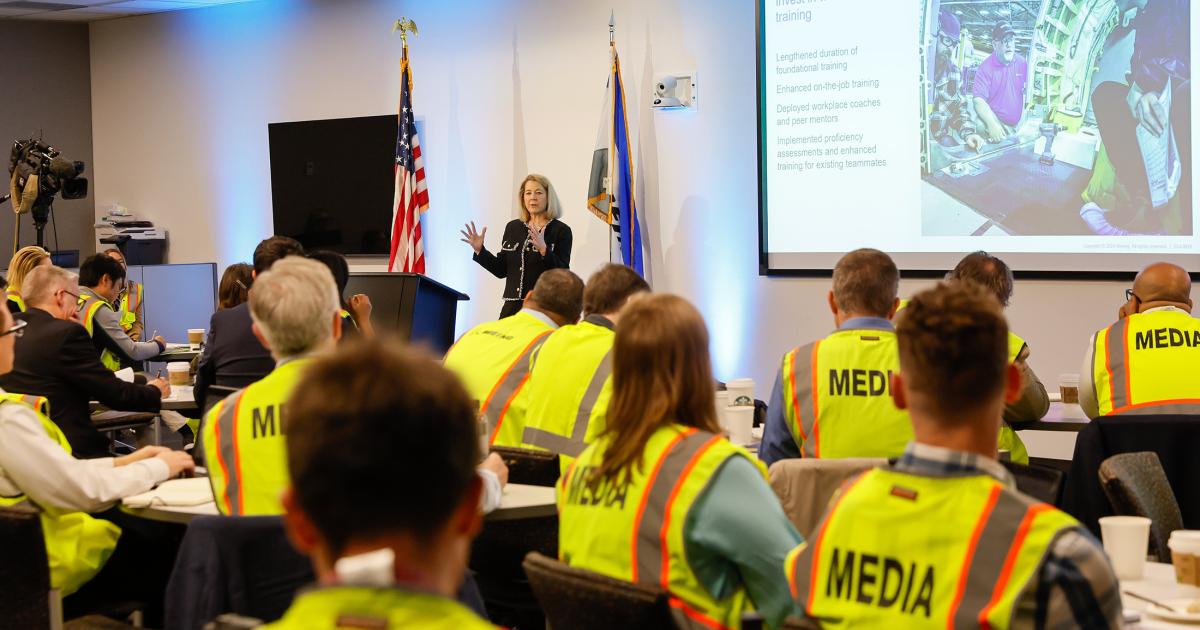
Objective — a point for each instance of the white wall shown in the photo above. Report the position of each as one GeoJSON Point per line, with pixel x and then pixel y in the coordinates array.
{"type": "Point", "coordinates": [181, 103]}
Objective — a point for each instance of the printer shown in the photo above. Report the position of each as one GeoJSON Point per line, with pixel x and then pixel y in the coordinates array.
{"type": "Point", "coordinates": [139, 241]}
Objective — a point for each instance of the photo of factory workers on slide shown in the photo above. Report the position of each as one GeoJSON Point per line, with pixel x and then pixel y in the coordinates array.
{"type": "Point", "coordinates": [1056, 117]}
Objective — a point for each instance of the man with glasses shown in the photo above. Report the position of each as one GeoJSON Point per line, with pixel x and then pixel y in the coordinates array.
{"type": "Point", "coordinates": [951, 122]}
{"type": "Point", "coordinates": [56, 360]}
{"type": "Point", "coordinates": [1146, 363]}
{"type": "Point", "coordinates": [101, 280]}
{"type": "Point", "coordinates": [1000, 85]}
{"type": "Point", "coordinates": [130, 300]}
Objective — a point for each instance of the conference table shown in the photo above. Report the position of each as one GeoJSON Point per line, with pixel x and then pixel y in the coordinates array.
{"type": "Point", "coordinates": [518, 502]}
{"type": "Point", "coordinates": [1158, 583]}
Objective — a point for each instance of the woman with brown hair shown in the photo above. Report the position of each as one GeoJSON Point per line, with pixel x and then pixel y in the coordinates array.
{"type": "Point", "coordinates": [21, 264]}
{"type": "Point", "coordinates": [537, 241]}
{"type": "Point", "coordinates": [662, 498]}
{"type": "Point", "coordinates": [235, 285]}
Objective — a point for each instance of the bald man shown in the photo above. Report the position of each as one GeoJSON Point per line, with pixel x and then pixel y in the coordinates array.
{"type": "Point", "coordinates": [1146, 363]}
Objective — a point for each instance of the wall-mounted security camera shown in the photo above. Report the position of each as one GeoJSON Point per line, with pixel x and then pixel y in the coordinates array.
{"type": "Point", "coordinates": [675, 92]}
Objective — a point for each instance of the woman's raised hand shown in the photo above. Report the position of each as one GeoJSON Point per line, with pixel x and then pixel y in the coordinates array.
{"type": "Point", "coordinates": [473, 238]}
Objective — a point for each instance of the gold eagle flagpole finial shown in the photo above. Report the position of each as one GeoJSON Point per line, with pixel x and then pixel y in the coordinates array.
{"type": "Point", "coordinates": [404, 26]}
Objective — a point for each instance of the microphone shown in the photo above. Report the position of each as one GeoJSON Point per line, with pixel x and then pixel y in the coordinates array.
{"type": "Point", "coordinates": [65, 169]}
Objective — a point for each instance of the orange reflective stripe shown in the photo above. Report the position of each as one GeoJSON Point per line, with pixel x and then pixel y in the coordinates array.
{"type": "Point", "coordinates": [215, 414]}
{"type": "Point", "coordinates": [820, 537]}
{"type": "Point", "coordinates": [649, 485]}
{"type": "Point", "coordinates": [789, 569]}
{"type": "Point", "coordinates": [816, 394]}
{"type": "Point", "coordinates": [695, 615]}
{"type": "Point", "coordinates": [665, 578]}
{"type": "Point", "coordinates": [796, 399]}
{"type": "Point", "coordinates": [964, 572]}
{"type": "Point", "coordinates": [1011, 559]}
{"type": "Point", "coordinates": [508, 389]}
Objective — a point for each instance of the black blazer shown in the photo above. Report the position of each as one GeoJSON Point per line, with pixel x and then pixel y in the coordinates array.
{"type": "Point", "coordinates": [522, 271]}
{"type": "Point", "coordinates": [55, 358]}
{"type": "Point", "coordinates": [233, 356]}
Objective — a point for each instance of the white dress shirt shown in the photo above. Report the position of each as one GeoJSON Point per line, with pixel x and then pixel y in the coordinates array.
{"type": "Point", "coordinates": [31, 463]}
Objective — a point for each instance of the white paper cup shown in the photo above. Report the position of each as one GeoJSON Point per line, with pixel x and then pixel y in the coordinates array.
{"type": "Point", "coordinates": [1126, 539]}
{"type": "Point", "coordinates": [741, 421]}
{"type": "Point", "coordinates": [722, 405]}
{"type": "Point", "coordinates": [178, 373]}
{"type": "Point", "coordinates": [195, 337]}
{"type": "Point", "coordinates": [741, 392]}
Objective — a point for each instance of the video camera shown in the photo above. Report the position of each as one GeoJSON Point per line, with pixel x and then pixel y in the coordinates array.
{"type": "Point", "coordinates": [38, 172]}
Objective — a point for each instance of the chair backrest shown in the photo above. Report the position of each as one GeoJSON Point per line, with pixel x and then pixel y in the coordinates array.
{"type": "Point", "coordinates": [1136, 485]}
{"type": "Point", "coordinates": [582, 600]}
{"type": "Point", "coordinates": [25, 571]}
{"type": "Point", "coordinates": [529, 467]}
{"type": "Point", "coordinates": [806, 485]}
{"type": "Point", "coordinates": [234, 564]}
{"type": "Point", "coordinates": [215, 394]}
{"type": "Point", "coordinates": [1039, 482]}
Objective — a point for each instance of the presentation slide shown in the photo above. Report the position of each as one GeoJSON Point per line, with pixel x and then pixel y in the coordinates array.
{"type": "Point", "coordinates": [1054, 133]}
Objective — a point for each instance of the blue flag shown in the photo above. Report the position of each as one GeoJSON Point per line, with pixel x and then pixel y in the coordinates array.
{"type": "Point", "coordinates": [611, 190]}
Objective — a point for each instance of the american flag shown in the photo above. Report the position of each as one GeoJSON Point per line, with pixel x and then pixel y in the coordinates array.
{"type": "Point", "coordinates": [412, 199]}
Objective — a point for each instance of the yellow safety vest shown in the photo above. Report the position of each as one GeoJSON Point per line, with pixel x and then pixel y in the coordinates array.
{"type": "Point", "coordinates": [569, 389]}
{"type": "Point", "coordinates": [635, 532]}
{"type": "Point", "coordinates": [88, 306]}
{"type": "Point", "coordinates": [14, 296]}
{"type": "Point", "coordinates": [898, 550]}
{"type": "Point", "coordinates": [837, 396]}
{"type": "Point", "coordinates": [1146, 364]}
{"type": "Point", "coordinates": [375, 607]}
{"type": "Point", "coordinates": [493, 361]}
{"type": "Point", "coordinates": [1008, 439]}
{"type": "Point", "coordinates": [130, 302]}
{"type": "Point", "coordinates": [243, 438]}
{"type": "Point", "coordinates": [77, 545]}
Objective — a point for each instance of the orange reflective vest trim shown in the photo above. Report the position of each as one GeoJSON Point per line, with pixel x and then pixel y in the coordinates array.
{"type": "Point", "coordinates": [506, 389]}
{"type": "Point", "coordinates": [231, 454]}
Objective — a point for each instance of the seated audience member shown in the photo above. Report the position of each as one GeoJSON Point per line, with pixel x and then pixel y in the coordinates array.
{"type": "Point", "coordinates": [130, 301]}
{"type": "Point", "coordinates": [942, 538]}
{"type": "Point", "coordinates": [832, 397]}
{"type": "Point", "coordinates": [356, 312]}
{"type": "Point", "coordinates": [393, 563]}
{"type": "Point", "coordinates": [56, 360]}
{"type": "Point", "coordinates": [101, 279]}
{"type": "Point", "coordinates": [36, 466]}
{"type": "Point", "coordinates": [294, 308]}
{"type": "Point", "coordinates": [570, 384]}
{"type": "Point", "coordinates": [493, 358]}
{"type": "Point", "coordinates": [19, 266]}
{"type": "Point", "coordinates": [992, 274]}
{"type": "Point", "coordinates": [660, 480]}
{"type": "Point", "coordinates": [235, 284]}
{"type": "Point", "coordinates": [233, 356]}
{"type": "Point", "coordinates": [1146, 363]}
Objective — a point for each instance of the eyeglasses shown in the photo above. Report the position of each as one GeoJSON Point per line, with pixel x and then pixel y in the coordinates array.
{"type": "Point", "coordinates": [1130, 296]}
{"type": "Point", "coordinates": [946, 40]}
{"type": "Point", "coordinates": [74, 295]}
{"type": "Point", "coordinates": [17, 329]}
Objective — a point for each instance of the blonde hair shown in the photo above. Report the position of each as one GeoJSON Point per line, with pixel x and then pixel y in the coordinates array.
{"type": "Point", "coordinates": [24, 261]}
{"type": "Point", "coordinates": [293, 304]}
{"type": "Point", "coordinates": [553, 207]}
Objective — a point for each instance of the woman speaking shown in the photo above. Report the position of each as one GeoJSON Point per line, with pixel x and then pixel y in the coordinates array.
{"type": "Point", "coordinates": [532, 244]}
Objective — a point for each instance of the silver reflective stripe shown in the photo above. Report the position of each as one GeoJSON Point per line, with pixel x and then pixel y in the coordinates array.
{"type": "Point", "coordinates": [226, 426]}
{"type": "Point", "coordinates": [574, 445]}
{"type": "Point", "coordinates": [649, 528]}
{"type": "Point", "coordinates": [1118, 362]}
{"type": "Point", "coordinates": [517, 372]}
{"type": "Point", "coordinates": [994, 544]}
{"type": "Point", "coordinates": [802, 372]}
{"type": "Point", "coordinates": [802, 569]}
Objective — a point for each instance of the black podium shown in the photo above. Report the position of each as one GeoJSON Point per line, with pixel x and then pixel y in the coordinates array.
{"type": "Point", "coordinates": [413, 306]}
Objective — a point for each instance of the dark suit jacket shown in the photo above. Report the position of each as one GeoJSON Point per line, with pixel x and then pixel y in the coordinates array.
{"type": "Point", "coordinates": [515, 249]}
{"type": "Point", "coordinates": [233, 356]}
{"type": "Point", "coordinates": [55, 358]}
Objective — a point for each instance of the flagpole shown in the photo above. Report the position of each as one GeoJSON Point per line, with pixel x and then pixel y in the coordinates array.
{"type": "Point", "coordinates": [612, 54]}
